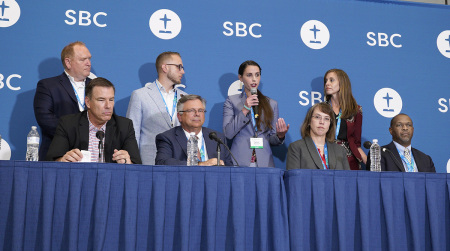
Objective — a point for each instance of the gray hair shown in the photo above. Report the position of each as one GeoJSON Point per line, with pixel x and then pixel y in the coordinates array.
{"type": "Point", "coordinates": [185, 98]}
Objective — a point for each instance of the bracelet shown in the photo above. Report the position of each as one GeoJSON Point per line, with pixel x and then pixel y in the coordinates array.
{"type": "Point", "coordinates": [248, 108]}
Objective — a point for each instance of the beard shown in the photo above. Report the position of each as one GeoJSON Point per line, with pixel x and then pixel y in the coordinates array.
{"type": "Point", "coordinates": [173, 78]}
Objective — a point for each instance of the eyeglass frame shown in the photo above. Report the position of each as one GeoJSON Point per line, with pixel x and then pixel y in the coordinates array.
{"type": "Point", "coordinates": [180, 66]}
{"type": "Point", "coordinates": [199, 111]}
{"type": "Point", "coordinates": [320, 118]}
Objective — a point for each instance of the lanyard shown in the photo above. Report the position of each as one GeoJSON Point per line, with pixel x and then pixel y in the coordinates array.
{"type": "Point", "coordinates": [253, 116]}
{"type": "Point", "coordinates": [174, 103]}
{"type": "Point", "coordinates": [202, 151]}
{"type": "Point", "coordinates": [338, 123]}
{"type": "Point", "coordinates": [409, 165]}
{"type": "Point", "coordinates": [78, 99]}
{"type": "Point", "coordinates": [325, 150]}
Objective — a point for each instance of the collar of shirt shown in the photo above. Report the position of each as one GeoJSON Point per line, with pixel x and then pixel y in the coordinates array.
{"type": "Point", "coordinates": [401, 148]}
{"type": "Point", "coordinates": [199, 136]}
{"type": "Point", "coordinates": [92, 126]}
{"type": "Point", "coordinates": [76, 84]}
{"type": "Point", "coordinates": [163, 90]}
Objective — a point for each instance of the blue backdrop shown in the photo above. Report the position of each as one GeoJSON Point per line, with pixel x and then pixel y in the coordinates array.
{"type": "Point", "coordinates": [403, 47]}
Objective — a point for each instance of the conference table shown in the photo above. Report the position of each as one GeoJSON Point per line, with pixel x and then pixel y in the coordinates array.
{"type": "Point", "coordinates": [101, 206]}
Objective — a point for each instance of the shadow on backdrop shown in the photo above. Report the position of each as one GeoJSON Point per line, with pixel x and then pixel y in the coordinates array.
{"type": "Point", "coordinates": [121, 106]}
{"type": "Point", "coordinates": [147, 73]}
{"type": "Point", "coordinates": [317, 86]}
{"type": "Point", "coordinates": [50, 67]}
{"type": "Point", "coordinates": [22, 118]}
{"type": "Point", "coordinates": [215, 120]}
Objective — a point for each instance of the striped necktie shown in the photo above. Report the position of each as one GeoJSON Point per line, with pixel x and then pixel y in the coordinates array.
{"type": "Point", "coordinates": [408, 158]}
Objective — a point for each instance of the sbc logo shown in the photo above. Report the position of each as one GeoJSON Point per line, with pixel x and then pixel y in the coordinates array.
{"type": "Point", "coordinates": [444, 105]}
{"type": "Point", "coordinates": [388, 102]}
{"type": "Point", "coordinates": [241, 29]}
{"type": "Point", "coordinates": [316, 97]}
{"type": "Point", "coordinates": [443, 43]}
{"type": "Point", "coordinates": [9, 13]}
{"type": "Point", "coordinates": [5, 150]}
{"type": "Point", "coordinates": [84, 18]}
{"type": "Point", "coordinates": [315, 34]}
{"type": "Point", "coordinates": [383, 39]}
{"type": "Point", "coordinates": [8, 82]}
{"type": "Point", "coordinates": [165, 24]}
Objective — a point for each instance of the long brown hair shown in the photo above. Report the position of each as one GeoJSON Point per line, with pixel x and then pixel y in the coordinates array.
{"type": "Point", "coordinates": [325, 108]}
{"type": "Point", "coordinates": [264, 104]}
{"type": "Point", "coordinates": [347, 102]}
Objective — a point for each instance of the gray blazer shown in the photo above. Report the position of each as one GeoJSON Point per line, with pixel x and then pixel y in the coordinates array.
{"type": "Point", "coordinates": [238, 127]}
{"type": "Point", "coordinates": [148, 112]}
{"type": "Point", "coordinates": [302, 154]}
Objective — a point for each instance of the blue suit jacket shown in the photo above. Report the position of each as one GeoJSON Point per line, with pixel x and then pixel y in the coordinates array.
{"type": "Point", "coordinates": [172, 147]}
{"type": "Point", "coordinates": [53, 99]}
{"type": "Point", "coordinates": [238, 127]}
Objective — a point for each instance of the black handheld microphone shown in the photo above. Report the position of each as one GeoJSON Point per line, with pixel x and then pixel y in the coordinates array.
{"type": "Point", "coordinates": [213, 136]}
{"type": "Point", "coordinates": [367, 144]}
{"type": "Point", "coordinates": [254, 91]}
{"type": "Point", "coordinates": [100, 135]}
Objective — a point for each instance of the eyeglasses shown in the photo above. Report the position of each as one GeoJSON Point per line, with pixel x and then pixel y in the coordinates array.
{"type": "Point", "coordinates": [318, 117]}
{"type": "Point", "coordinates": [180, 66]}
{"type": "Point", "coordinates": [193, 111]}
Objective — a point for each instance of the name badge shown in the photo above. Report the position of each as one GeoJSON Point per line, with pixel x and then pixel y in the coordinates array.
{"type": "Point", "coordinates": [256, 143]}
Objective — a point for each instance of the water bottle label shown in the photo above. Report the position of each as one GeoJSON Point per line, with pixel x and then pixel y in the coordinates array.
{"type": "Point", "coordinates": [32, 140]}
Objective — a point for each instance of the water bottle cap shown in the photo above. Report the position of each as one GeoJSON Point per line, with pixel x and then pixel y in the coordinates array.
{"type": "Point", "coordinates": [375, 140]}
{"type": "Point", "coordinates": [33, 128]}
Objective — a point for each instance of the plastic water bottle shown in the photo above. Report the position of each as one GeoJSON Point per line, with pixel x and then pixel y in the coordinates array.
{"type": "Point", "coordinates": [192, 150]}
{"type": "Point", "coordinates": [32, 145]}
{"type": "Point", "coordinates": [375, 157]}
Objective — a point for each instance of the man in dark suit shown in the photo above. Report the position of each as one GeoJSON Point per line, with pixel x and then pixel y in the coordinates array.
{"type": "Point", "coordinates": [172, 144]}
{"type": "Point", "coordinates": [76, 132]}
{"type": "Point", "coordinates": [63, 94]}
{"type": "Point", "coordinates": [400, 156]}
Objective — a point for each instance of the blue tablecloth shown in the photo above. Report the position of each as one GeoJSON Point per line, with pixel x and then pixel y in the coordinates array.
{"type": "Point", "coordinates": [359, 210]}
{"type": "Point", "coordinates": [63, 206]}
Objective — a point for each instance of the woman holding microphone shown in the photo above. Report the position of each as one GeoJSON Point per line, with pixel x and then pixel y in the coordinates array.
{"type": "Point", "coordinates": [251, 120]}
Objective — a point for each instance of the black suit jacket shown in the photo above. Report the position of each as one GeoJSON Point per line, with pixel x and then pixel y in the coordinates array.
{"type": "Point", "coordinates": [171, 147]}
{"type": "Point", "coordinates": [423, 162]}
{"type": "Point", "coordinates": [73, 132]}
{"type": "Point", "coordinates": [53, 99]}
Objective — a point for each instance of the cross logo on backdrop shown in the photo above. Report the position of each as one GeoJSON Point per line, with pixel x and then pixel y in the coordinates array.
{"type": "Point", "coordinates": [315, 34]}
{"type": "Point", "coordinates": [165, 24]}
{"type": "Point", "coordinates": [443, 43]}
{"type": "Point", "coordinates": [9, 13]}
{"type": "Point", "coordinates": [388, 102]}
